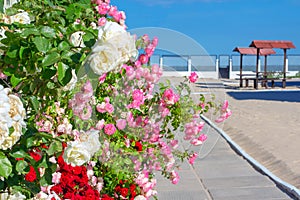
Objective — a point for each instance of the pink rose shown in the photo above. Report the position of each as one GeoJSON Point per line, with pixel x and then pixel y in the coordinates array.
{"type": "Point", "coordinates": [170, 97]}
{"type": "Point", "coordinates": [192, 158]}
{"type": "Point", "coordinates": [193, 77]}
{"type": "Point", "coordinates": [102, 78]}
{"type": "Point", "coordinates": [174, 177]}
{"type": "Point", "coordinates": [100, 124]}
{"type": "Point", "coordinates": [109, 129]}
{"type": "Point", "coordinates": [101, 21]}
{"type": "Point", "coordinates": [121, 124]}
{"type": "Point", "coordinates": [143, 58]}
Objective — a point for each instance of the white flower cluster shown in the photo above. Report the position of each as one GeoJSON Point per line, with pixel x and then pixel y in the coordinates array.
{"type": "Point", "coordinates": [80, 151]}
{"type": "Point", "coordinates": [12, 114]}
{"type": "Point", "coordinates": [14, 196]}
{"type": "Point", "coordinates": [22, 17]}
{"type": "Point", "coordinates": [114, 47]}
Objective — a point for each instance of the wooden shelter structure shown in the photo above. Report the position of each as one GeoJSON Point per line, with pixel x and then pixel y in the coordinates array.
{"type": "Point", "coordinates": [270, 44]}
{"type": "Point", "coordinates": [251, 51]}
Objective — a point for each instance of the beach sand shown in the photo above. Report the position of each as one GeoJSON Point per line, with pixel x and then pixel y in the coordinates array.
{"type": "Point", "coordinates": [265, 123]}
{"type": "Point", "coordinates": [269, 131]}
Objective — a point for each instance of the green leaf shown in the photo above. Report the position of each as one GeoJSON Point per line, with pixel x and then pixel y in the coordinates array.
{"type": "Point", "coordinates": [63, 46]}
{"type": "Point", "coordinates": [1, 5]}
{"type": "Point", "coordinates": [14, 80]}
{"type": "Point", "coordinates": [89, 39]}
{"type": "Point", "coordinates": [49, 72]}
{"type": "Point", "coordinates": [30, 31]}
{"type": "Point", "coordinates": [21, 165]}
{"type": "Point", "coordinates": [19, 154]}
{"type": "Point", "coordinates": [42, 44]}
{"type": "Point", "coordinates": [5, 166]}
{"type": "Point", "coordinates": [21, 52]}
{"type": "Point", "coordinates": [50, 85]}
{"type": "Point", "coordinates": [62, 68]}
{"type": "Point", "coordinates": [30, 142]}
{"type": "Point", "coordinates": [12, 54]}
{"type": "Point", "coordinates": [127, 161]}
{"type": "Point", "coordinates": [35, 103]}
{"type": "Point", "coordinates": [48, 32]}
{"type": "Point", "coordinates": [54, 147]}
{"type": "Point", "coordinates": [50, 59]}
{"type": "Point", "coordinates": [47, 178]}
{"type": "Point", "coordinates": [43, 163]}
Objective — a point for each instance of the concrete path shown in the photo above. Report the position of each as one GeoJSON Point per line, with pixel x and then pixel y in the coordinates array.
{"type": "Point", "coordinates": [219, 174]}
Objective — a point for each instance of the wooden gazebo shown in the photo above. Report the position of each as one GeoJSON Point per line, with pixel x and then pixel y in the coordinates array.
{"type": "Point", "coordinates": [269, 44]}
{"type": "Point", "coordinates": [251, 51]}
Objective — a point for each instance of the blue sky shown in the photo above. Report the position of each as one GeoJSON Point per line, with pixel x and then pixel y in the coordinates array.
{"type": "Point", "coordinates": [219, 25]}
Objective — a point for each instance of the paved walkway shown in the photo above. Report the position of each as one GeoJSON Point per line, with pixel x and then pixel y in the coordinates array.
{"type": "Point", "coordinates": [219, 174]}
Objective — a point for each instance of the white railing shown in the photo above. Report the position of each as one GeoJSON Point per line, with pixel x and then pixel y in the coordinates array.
{"type": "Point", "coordinates": [210, 66]}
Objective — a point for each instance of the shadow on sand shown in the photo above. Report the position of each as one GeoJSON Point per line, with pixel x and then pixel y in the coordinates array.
{"type": "Point", "coordinates": [288, 84]}
{"type": "Point", "coordinates": [282, 95]}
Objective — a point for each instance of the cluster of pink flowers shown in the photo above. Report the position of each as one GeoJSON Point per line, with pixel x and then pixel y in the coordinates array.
{"type": "Point", "coordinates": [169, 97]}
{"type": "Point", "coordinates": [146, 184]}
{"type": "Point", "coordinates": [193, 77]}
{"type": "Point", "coordinates": [105, 106]}
{"type": "Point", "coordinates": [149, 49]}
{"type": "Point", "coordinates": [105, 9]}
{"type": "Point", "coordinates": [138, 99]}
{"type": "Point", "coordinates": [225, 112]}
{"type": "Point", "coordinates": [81, 103]}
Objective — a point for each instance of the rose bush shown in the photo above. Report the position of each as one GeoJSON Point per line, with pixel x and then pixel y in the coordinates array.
{"type": "Point", "coordinates": [83, 115]}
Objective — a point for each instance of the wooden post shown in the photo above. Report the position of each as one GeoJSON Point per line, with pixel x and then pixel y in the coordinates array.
{"type": "Point", "coordinates": [284, 70]}
{"type": "Point", "coordinates": [265, 82]}
{"type": "Point", "coordinates": [257, 63]}
{"type": "Point", "coordinates": [241, 70]}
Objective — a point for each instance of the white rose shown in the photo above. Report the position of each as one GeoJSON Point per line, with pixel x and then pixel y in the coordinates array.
{"type": "Point", "coordinates": [4, 196]}
{"type": "Point", "coordinates": [17, 196]}
{"type": "Point", "coordinates": [17, 111]}
{"type": "Point", "coordinates": [4, 106]}
{"type": "Point", "coordinates": [91, 141]}
{"type": "Point", "coordinates": [110, 30]}
{"type": "Point", "coordinates": [115, 34]}
{"type": "Point", "coordinates": [140, 197]}
{"type": "Point", "coordinates": [77, 40]}
{"type": "Point", "coordinates": [22, 18]}
{"type": "Point", "coordinates": [76, 154]}
{"type": "Point", "coordinates": [13, 138]}
{"type": "Point", "coordinates": [104, 58]}
{"type": "Point", "coordinates": [71, 85]}
{"type": "Point", "coordinates": [128, 48]}
{"type": "Point", "coordinates": [4, 132]}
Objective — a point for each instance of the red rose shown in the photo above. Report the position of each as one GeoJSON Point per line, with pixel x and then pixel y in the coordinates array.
{"type": "Point", "coordinates": [31, 176]}
{"type": "Point", "coordinates": [57, 189]}
{"type": "Point", "coordinates": [138, 146]}
{"type": "Point", "coordinates": [124, 192]}
{"type": "Point", "coordinates": [44, 146]}
{"type": "Point", "coordinates": [132, 190]}
{"type": "Point", "coordinates": [106, 197]}
{"type": "Point", "coordinates": [91, 194]}
{"type": "Point", "coordinates": [35, 155]}
{"type": "Point", "coordinates": [76, 170]}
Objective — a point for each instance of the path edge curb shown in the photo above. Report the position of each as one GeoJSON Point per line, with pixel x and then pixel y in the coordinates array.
{"type": "Point", "coordinates": [285, 187]}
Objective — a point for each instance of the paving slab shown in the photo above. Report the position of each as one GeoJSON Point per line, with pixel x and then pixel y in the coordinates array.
{"type": "Point", "coordinates": [219, 174]}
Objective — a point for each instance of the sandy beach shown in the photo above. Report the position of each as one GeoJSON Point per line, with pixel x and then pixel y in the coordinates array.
{"type": "Point", "coordinates": [266, 124]}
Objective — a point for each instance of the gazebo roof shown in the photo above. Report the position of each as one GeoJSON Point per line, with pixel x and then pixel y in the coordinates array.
{"type": "Point", "coordinates": [281, 44]}
{"type": "Point", "coordinates": [253, 51]}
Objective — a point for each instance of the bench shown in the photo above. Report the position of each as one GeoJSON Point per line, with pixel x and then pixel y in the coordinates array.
{"type": "Point", "coordinates": [247, 78]}
{"type": "Point", "coordinates": [265, 82]}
